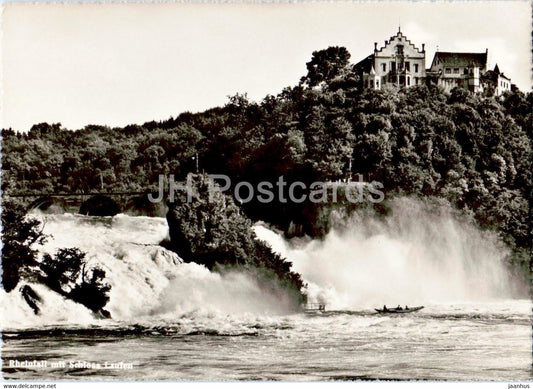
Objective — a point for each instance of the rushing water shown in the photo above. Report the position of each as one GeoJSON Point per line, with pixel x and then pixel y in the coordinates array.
{"type": "Point", "coordinates": [491, 341]}
{"type": "Point", "coordinates": [177, 321]}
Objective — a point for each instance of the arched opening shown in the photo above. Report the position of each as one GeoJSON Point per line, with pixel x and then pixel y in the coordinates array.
{"type": "Point", "coordinates": [142, 206]}
{"type": "Point", "coordinates": [99, 205]}
{"type": "Point", "coordinates": [48, 204]}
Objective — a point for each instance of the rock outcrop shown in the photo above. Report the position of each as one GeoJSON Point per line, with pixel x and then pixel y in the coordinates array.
{"type": "Point", "coordinates": [210, 229]}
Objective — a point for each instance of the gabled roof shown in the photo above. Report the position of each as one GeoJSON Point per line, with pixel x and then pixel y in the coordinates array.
{"type": "Point", "coordinates": [504, 76]}
{"type": "Point", "coordinates": [452, 59]}
{"type": "Point", "coordinates": [495, 74]}
{"type": "Point", "coordinates": [365, 65]}
{"type": "Point", "coordinates": [399, 35]}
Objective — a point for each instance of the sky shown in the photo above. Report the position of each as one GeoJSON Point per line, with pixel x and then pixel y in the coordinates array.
{"type": "Point", "coordinates": [124, 63]}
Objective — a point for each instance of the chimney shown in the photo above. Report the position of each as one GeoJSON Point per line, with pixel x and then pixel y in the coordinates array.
{"type": "Point", "coordinates": [375, 46]}
{"type": "Point", "coordinates": [423, 47]}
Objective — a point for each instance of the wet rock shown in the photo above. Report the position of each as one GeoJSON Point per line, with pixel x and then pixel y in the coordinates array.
{"type": "Point", "coordinates": [210, 229]}
{"type": "Point", "coordinates": [102, 314]}
{"type": "Point", "coordinates": [32, 298]}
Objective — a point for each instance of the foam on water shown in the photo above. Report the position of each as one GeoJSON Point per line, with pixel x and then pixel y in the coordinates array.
{"type": "Point", "coordinates": [416, 255]}
{"type": "Point", "coordinates": [149, 283]}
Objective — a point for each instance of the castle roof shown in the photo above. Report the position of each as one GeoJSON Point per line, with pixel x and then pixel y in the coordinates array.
{"type": "Point", "coordinates": [365, 65]}
{"type": "Point", "coordinates": [452, 59]}
{"type": "Point", "coordinates": [494, 74]}
{"type": "Point", "coordinates": [399, 35]}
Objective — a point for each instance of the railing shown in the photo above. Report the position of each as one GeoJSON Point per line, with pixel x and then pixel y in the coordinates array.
{"type": "Point", "coordinates": [73, 194]}
{"type": "Point", "coordinates": [314, 307]}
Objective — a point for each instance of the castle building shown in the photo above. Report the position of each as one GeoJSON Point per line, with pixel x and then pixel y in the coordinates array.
{"type": "Point", "coordinates": [450, 70]}
{"type": "Point", "coordinates": [498, 80]}
{"type": "Point", "coordinates": [400, 63]}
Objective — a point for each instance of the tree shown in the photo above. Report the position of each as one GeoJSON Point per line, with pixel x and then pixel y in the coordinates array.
{"type": "Point", "coordinates": [325, 65]}
{"type": "Point", "coordinates": [68, 274]}
{"type": "Point", "coordinates": [63, 269]}
{"type": "Point", "coordinates": [211, 230]}
{"type": "Point", "coordinates": [92, 291]}
{"type": "Point", "coordinates": [19, 235]}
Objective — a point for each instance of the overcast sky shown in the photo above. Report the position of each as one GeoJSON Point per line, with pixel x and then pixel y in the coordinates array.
{"type": "Point", "coordinates": [118, 64]}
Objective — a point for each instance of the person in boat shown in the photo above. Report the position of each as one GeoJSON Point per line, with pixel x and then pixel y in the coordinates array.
{"type": "Point", "coordinates": [385, 308]}
{"type": "Point", "coordinates": [399, 308]}
{"type": "Point", "coordinates": [406, 308]}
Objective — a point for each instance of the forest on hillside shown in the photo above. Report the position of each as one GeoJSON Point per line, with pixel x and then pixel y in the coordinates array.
{"type": "Point", "coordinates": [473, 151]}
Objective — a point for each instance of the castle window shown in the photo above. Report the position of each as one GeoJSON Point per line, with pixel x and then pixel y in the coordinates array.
{"type": "Point", "coordinates": [408, 81]}
{"type": "Point", "coordinates": [393, 66]}
{"type": "Point", "coordinates": [384, 67]}
{"type": "Point", "coordinates": [407, 66]}
{"type": "Point", "coordinates": [466, 71]}
{"type": "Point", "coordinates": [448, 71]}
{"type": "Point", "coordinates": [377, 84]}
{"type": "Point", "coordinates": [456, 70]}
{"type": "Point", "coordinates": [416, 68]}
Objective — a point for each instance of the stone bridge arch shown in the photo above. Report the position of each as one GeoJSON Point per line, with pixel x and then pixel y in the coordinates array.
{"type": "Point", "coordinates": [140, 205]}
{"type": "Point", "coordinates": [49, 204]}
{"type": "Point", "coordinates": [99, 205]}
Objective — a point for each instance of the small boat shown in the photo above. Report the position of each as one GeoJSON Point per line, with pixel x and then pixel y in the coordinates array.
{"type": "Point", "coordinates": [399, 310]}
{"type": "Point", "coordinates": [314, 308]}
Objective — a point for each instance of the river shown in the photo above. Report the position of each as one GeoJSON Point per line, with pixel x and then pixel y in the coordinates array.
{"type": "Point", "coordinates": [177, 321]}
{"type": "Point", "coordinates": [491, 341]}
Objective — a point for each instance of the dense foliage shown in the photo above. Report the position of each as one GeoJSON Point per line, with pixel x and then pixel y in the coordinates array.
{"type": "Point", "coordinates": [20, 234]}
{"type": "Point", "coordinates": [67, 273]}
{"type": "Point", "coordinates": [208, 228]}
{"type": "Point", "coordinates": [472, 150]}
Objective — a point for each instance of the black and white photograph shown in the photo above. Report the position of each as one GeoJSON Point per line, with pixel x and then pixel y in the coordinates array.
{"type": "Point", "coordinates": [285, 192]}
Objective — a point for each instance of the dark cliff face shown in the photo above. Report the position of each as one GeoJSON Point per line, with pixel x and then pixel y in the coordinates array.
{"type": "Point", "coordinates": [214, 232]}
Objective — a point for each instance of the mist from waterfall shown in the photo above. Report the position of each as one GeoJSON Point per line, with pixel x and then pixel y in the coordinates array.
{"type": "Point", "coordinates": [421, 252]}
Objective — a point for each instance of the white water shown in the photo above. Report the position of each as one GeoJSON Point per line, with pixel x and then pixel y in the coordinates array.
{"type": "Point", "coordinates": [168, 316]}
{"type": "Point", "coordinates": [418, 255]}
{"type": "Point", "coordinates": [148, 281]}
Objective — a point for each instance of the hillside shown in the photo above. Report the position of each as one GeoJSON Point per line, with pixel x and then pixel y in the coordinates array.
{"type": "Point", "coordinates": [469, 150]}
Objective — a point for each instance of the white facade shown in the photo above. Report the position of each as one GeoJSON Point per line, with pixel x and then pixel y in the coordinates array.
{"type": "Point", "coordinates": [398, 62]}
